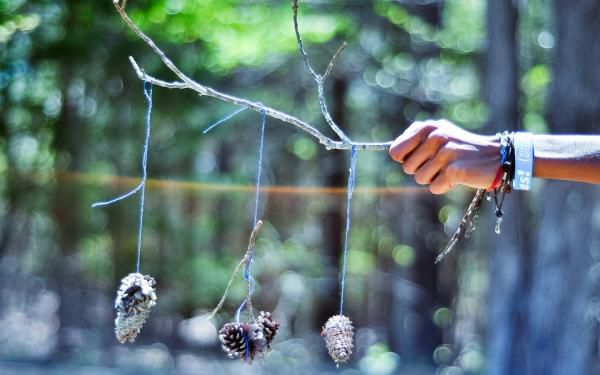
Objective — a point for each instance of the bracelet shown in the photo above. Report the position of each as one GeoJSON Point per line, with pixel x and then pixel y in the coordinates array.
{"type": "Point", "coordinates": [523, 167]}
{"type": "Point", "coordinates": [496, 180]}
{"type": "Point", "coordinates": [507, 163]}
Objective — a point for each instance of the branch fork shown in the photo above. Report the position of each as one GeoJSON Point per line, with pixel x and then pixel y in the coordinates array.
{"type": "Point", "coordinates": [185, 82]}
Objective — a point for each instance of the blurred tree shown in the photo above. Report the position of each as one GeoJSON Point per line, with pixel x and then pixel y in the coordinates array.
{"type": "Point", "coordinates": [539, 299]}
{"type": "Point", "coordinates": [507, 259]}
{"type": "Point", "coordinates": [558, 327]}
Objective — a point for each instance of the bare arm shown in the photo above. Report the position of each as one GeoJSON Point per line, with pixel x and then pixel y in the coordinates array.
{"type": "Point", "coordinates": [442, 155]}
{"type": "Point", "coordinates": [567, 157]}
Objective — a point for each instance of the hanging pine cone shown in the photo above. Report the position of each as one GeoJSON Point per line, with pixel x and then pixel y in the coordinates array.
{"type": "Point", "coordinates": [243, 340]}
{"type": "Point", "coordinates": [268, 326]}
{"type": "Point", "coordinates": [338, 333]}
{"type": "Point", "coordinates": [135, 297]}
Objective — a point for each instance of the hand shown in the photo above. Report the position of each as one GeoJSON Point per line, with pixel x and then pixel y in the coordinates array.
{"type": "Point", "coordinates": [442, 155]}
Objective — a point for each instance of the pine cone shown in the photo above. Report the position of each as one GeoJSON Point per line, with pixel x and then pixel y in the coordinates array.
{"type": "Point", "coordinates": [243, 340]}
{"type": "Point", "coordinates": [135, 298]}
{"type": "Point", "coordinates": [268, 326]}
{"type": "Point", "coordinates": [338, 333]}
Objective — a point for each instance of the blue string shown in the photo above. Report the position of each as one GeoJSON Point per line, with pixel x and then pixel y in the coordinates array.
{"type": "Point", "coordinates": [247, 351]}
{"type": "Point", "coordinates": [239, 312]}
{"type": "Point", "coordinates": [351, 178]}
{"type": "Point", "coordinates": [241, 307]}
{"type": "Point", "coordinates": [225, 119]}
{"type": "Point", "coordinates": [124, 196]}
{"type": "Point", "coordinates": [142, 186]}
{"type": "Point", "coordinates": [259, 168]}
{"type": "Point", "coordinates": [247, 275]}
{"type": "Point", "coordinates": [148, 95]}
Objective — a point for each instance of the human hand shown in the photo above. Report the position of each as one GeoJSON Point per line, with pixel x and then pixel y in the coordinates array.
{"type": "Point", "coordinates": [442, 155]}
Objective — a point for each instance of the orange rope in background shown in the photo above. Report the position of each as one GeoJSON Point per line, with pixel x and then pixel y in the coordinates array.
{"type": "Point", "coordinates": [112, 180]}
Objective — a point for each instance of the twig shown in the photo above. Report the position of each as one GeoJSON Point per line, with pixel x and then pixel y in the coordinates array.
{"type": "Point", "coordinates": [466, 226]}
{"type": "Point", "coordinates": [319, 79]}
{"type": "Point", "coordinates": [333, 59]}
{"type": "Point", "coordinates": [245, 260]}
{"type": "Point", "coordinates": [300, 44]}
{"type": "Point", "coordinates": [188, 83]}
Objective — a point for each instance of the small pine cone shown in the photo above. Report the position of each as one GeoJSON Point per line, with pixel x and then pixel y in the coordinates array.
{"type": "Point", "coordinates": [268, 326]}
{"type": "Point", "coordinates": [135, 298]}
{"type": "Point", "coordinates": [338, 333]}
{"type": "Point", "coordinates": [243, 340]}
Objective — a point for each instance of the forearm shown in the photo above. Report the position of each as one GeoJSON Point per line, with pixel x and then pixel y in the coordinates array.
{"type": "Point", "coordinates": [567, 157]}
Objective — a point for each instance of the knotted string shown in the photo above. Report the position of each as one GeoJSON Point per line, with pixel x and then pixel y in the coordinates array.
{"type": "Point", "coordinates": [142, 186]}
{"type": "Point", "coordinates": [351, 178]}
{"type": "Point", "coordinates": [247, 276]}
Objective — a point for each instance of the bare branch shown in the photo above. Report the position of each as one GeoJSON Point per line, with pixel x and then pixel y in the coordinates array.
{"type": "Point", "coordinates": [155, 81]}
{"type": "Point", "coordinates": [300, 44]}
{"type": "Point", "coordinates": [187, 83]}
{"type": "Point", "coordinates": [244, 261]}
{"type": "Point", "coordinates": [318, 78]}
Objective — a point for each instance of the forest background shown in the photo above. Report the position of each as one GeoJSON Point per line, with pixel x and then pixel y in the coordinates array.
{"type": "Point", "coordinates": [71, 131]}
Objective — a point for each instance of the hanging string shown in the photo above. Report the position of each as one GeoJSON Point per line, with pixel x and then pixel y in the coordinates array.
{"type": "Point", "coordinates": [247, 276]}
{"type": "Point", "coordinates": [259, 168]}
{"type": "Point", "coordinates": [351, 178]}
{"type": "Point", "coordinates": [223, 120]}
{"type": "Point", "coordinates": [148, 95]}
{"type": "Point", "coordinates": [142, 186]}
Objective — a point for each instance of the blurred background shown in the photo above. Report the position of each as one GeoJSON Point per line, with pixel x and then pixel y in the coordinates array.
{"type": "Point", "coordinates": [71, 133]}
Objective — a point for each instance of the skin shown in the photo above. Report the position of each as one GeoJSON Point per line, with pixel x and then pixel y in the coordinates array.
{"type": "Point", "coordinates": [443, 155]}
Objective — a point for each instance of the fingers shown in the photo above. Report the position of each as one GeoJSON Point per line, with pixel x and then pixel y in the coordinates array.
{"type": "Point", "coordinates": [427, 150]}
{"type": "Point", "coordinates": [428, 171]}
{"type": "Point", "coordinates": [443, 155]}
{"type": "Point", "coordinates": [447, 179]}
{"type": "Point", "coordinates": [411, 139]}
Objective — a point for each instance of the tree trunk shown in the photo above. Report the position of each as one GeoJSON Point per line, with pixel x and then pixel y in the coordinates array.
{"type": "Point", "coordinates": [507, 252]}
{"type": "Point", "coordinates": [558, 335]}
{"type": "Point", "coordinates": [539, 291]}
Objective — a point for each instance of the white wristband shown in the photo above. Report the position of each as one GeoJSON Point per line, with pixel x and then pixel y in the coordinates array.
{"type": "Point", "coordinates": [523, 143]}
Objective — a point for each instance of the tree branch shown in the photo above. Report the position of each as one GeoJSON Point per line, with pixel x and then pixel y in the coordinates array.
{"type": "Point", "coordinates": [187, 83]}
{"type": "Point", "coordinates": [319, 79]}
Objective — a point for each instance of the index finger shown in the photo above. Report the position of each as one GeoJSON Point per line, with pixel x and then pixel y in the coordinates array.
{"type": "Point", "coordinates": [412, 137]}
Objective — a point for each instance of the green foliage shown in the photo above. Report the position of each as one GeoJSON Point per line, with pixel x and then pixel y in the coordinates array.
{"type": "Point", "coordinates": [234, 33]}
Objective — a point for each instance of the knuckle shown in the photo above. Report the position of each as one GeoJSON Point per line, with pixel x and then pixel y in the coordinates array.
{"type": "Point", "coordinates": [428, 127]}
{"type": "Point", "coordinates": [439, 136]}
{"type": "Point", "coordinates": [448, 152]}
{"type": "Point", "coordinates": [422, 127]}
